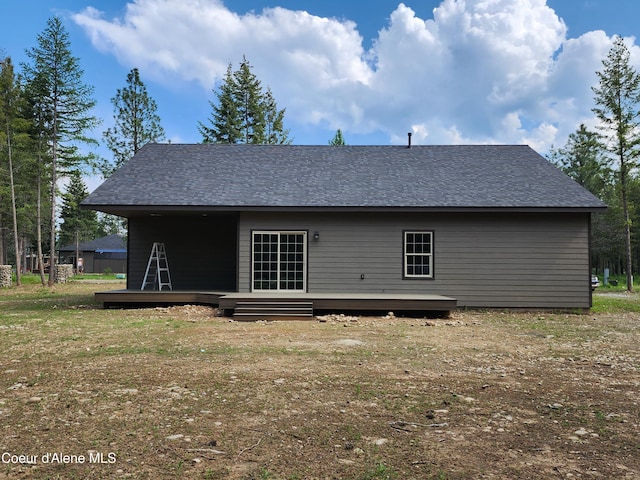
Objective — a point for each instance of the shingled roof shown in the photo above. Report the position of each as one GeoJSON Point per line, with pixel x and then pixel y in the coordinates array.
{"type": "Point", "coordinates": [198, 177]}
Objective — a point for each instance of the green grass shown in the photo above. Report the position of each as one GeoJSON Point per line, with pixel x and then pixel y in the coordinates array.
{"type": "Point", "coordinates": [28, 279]}
{"type": "Point", "coordinates": [621, 281]}
{"type": "Point", "coordinates": [603, 303]}
{"type": "Point", "coordinates": [95, 276]}
{"type": "Point", "coordinates": [33, 279]}
{"type": "Point", "coordinates": [379, 471]}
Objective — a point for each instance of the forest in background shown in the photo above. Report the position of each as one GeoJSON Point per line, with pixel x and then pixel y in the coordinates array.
{"type": "Point", "coordinates": [46, 128]}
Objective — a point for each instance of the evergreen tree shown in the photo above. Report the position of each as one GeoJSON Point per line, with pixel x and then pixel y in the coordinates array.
{"type": "Point", "coordinates": [250, 104]}
{"type": "Point", "coordinates": [275, 133]}
{"type": "Point", "coordinates": [16, 158]}
{"type": "Point", "coordinates": [3, 201]}
{"type": "Point", "coordinates": [583, 159]}
{"type": "Point", "coordinates": [617, 97]}
{"type": "Point", "coordinates": [243, 113]}
{"type": "Point", "coordinates": [338, 139]}
{"type": "Point", "coordinates": [111, 225]}
{"type": "Point", "coordinates": [9, 98]}
{"type": "Point", "coordinates": [225, 119]}
{"type": "Point", "coordinates": [67, 102]}
{"type": "Point", "coordinates": [136, 122]}
{"type": "Point", "coordinates": [79, 224]}
{"type": "Point", "coordinates": [40, 161]}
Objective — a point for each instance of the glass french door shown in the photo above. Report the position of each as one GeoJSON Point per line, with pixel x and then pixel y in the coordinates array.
{"type": "Point", "coordinates": [279, 261]}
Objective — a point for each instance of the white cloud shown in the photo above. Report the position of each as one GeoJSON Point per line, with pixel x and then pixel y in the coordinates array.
{"type": "Point", "coordinates": [302, 57]}
{"type": "Point", "coordinates": [479, 71]}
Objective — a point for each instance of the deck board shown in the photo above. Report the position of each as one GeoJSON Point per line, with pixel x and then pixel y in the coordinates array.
{"type": "Point", "coordinates": [383, 302]}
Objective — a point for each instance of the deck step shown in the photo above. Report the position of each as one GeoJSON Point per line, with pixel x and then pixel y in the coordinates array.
{"type": "Point", "coordinates": [272, 310]}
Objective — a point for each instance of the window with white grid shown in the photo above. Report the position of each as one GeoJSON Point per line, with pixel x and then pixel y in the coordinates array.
{"type": "Point", "coordinates": [418, 254]}
{"type": "Point", "coordinates": [279, 261]}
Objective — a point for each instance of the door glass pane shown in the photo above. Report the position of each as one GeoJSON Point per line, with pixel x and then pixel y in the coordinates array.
{"type": "Point", "coordinates": [279, 261]}
{"type": "Point", "coordinates": [265, 248]}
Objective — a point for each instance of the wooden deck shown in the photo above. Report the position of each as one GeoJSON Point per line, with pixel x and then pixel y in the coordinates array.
{"type": "Point", "coordinates": [146, 298]}
{"type": "Point", "coordinates": [321, 302]}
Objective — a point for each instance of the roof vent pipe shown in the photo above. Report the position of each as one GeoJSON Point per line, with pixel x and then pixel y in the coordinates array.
{"type": "Point", "coordinates": [409, 135]}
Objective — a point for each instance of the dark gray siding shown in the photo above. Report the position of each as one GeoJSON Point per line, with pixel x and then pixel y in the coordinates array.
{"type": "Point", "coordinates": [94, 262]}
{"type": "Point", "coordinates": [483, 260]}
{"type": "Point", "coordinates": [201, 250]}
{"type": "Point", "coordinates": [115, 265]}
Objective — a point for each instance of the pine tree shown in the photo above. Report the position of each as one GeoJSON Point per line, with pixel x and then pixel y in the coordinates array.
{"type": "Point", "coordinates": [136, 121]}
{"type": "Point", "coordinates": [3, 201]}
{"type": "Point", "coordinates": [250, 104]}
{"type": "Point", "coordinates": [617, 98]}
{"type": "Point", "coordinates": [225, 118]}
{"type": "Point", "coordinates": [66, 101]}
{"type": "Point", "coordinates": [9, 98]}
{"type": "Point", "coordinates": [275, 133]}
{"type": "Point", "coordinates": [78, 224]}
{"type": "Point", "coordinates": [583, 159]}
{"type": "Point", "coordinates": [338, 139]}
{"type": "Point", "coordinates": [243, 113]}
{"type": "Point", "coordinates": [35, 96]}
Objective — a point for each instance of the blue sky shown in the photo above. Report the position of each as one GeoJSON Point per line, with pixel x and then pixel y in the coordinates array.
{"type": "Point", "coordinates": [450, 71]}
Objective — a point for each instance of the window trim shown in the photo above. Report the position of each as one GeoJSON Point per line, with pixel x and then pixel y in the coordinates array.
{"type": "Point", "coordinates": [305, 243]}
{"type": "Point", "coordinates": [406, 255]}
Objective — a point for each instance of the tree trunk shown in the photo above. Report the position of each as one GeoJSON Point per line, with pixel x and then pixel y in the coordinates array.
{"type": "Point", "coordinates": [39, 222]}
{"type": "Point", "coordinates": [54, 180]}
{"type": "Point", "coordinates": [3, 260]}
{"type": "Point", "coordinates": [14, 211]}
{"type": "Point", "coordinates": [23, 253]}
{"type": "Point", "coordinates": [77, 252]}
{"type": "Point", "coordinates": [627, 225]}
{"type": "Point", "coordinates": [52, 247]}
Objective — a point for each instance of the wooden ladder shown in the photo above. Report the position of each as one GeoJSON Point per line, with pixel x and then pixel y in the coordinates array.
{"type": "Point", "coordinates": [158, 267]}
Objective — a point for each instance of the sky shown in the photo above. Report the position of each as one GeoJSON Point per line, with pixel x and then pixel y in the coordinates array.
{"type": "Point", "coordinates": [449, 71]}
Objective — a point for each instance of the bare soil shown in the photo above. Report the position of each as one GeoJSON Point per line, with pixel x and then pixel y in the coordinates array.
{"type": "Point", "coordinates": [180, 392]}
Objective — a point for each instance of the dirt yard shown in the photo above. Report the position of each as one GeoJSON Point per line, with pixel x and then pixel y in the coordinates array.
{"type": "Point", "coordinates": [179, 392]}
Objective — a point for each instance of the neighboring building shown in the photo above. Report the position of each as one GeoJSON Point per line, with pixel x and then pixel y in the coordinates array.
{"type": "Point", "coordinates": [491, 226]}
{"type": "Point", "coordinates": [106, 253]}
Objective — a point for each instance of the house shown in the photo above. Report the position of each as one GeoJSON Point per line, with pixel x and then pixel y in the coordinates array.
{"type": "Point", "coordinates": [105, 253]}
{"type": "Point", "coordinates": [486, 225]}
